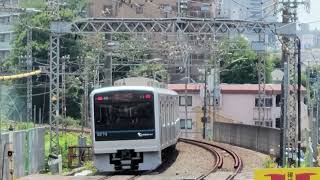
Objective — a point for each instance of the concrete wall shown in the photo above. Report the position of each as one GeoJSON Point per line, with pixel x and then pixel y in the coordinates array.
{"type": "Point", "coordinates": [29, 152]}
{"type": "Point", "coordinates": [262, 139]}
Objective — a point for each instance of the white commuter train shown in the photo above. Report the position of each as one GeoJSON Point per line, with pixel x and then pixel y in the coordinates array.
{"type": "Point", "coordinates": [132, 126]}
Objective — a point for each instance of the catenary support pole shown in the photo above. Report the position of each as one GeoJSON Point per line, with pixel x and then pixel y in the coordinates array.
{"type": "Point", "coordinates": [204, 119]}
{"type": "Point", "coordinates": [299, 100]}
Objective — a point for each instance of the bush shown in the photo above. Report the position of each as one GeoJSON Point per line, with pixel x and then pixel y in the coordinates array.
{"type": "Point", "coordinates": [269, 163]}
{"type": "Point", "coordinates": [68, 121]}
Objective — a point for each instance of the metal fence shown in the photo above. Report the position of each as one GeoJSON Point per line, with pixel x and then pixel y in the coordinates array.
{"type": "Point", "coordinates": [262, 139]}
{"type": "Point", "coordinates": [29, 152]}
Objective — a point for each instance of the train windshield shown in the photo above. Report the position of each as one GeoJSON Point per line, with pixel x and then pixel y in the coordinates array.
{"type": "Point", "coordinates": [124, 116]}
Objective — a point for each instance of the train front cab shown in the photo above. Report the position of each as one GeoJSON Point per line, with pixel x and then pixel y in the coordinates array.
{"type": "Point", "coordinates": [126, 133]}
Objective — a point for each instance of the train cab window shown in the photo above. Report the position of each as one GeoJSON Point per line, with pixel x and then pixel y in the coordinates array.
{"type": "Point", "coordinates": [124, 116]}
{"type": "Point", "coordinates": [182, 101]}
{"type": "Point", "coordinates": [183, 124]}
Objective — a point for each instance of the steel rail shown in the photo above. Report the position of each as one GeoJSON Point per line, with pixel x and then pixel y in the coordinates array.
{"type": "Point", "coordinates": [216, 154]}
{"type": "Point", "coordinates": [238, 164]}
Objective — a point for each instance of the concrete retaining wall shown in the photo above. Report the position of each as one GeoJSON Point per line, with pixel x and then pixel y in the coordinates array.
{"type": "Point", "coordinates": [29, 152]}
{"type": "Point", "coordinates": [262, 139]}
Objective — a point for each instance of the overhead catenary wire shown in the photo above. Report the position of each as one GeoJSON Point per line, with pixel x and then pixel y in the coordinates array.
{"type": "Point", "coordinates": [19, 76]}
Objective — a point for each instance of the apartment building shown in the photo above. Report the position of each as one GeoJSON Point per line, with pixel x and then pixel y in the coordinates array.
{"type": "Point", "coordinates": [254, 10]}
{"type": "Point", "coordinates": [7, 19]}
{"type": "Point", "coordinates": [151, 8]}
{"type": "Point", "coordinates": [238, 104]}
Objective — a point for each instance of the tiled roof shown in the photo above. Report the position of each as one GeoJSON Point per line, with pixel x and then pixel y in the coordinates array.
{"type": "Point", "coordinates": [181, 87]}
{"type": "Point", "coordinates": [233, 88]}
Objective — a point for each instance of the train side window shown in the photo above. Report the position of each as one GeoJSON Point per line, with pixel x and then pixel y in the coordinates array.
{"type": "Point", "coordinates": [162, 114]}
{"type": "Point", "coordinates": [172, 112]}
{"type": "Point", "coordinates": [168, 113]}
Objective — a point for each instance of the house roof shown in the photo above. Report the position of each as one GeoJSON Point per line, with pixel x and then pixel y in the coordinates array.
{"type": "Point", "coordinates": [190, 87]}
{"type": "Point", "coordinates": [232, 88]}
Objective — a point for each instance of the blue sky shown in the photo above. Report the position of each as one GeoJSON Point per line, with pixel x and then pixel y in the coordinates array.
{"type": "Point", "coordinates": [314, 15]}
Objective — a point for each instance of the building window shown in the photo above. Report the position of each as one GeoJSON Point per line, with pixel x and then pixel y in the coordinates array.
{"type": "Point", "coordinates": [268, 123]}
{"type": "Point", "coordinates": [3, 55]}
{"type": "Point", "coordinates": [182, 100]}
{"type": "Point", "coordinates": [267, 102]}
{"type": "Point", "coordinates": [5, 20]}
{"type": "Point", "coordinates": [263, 123]}
{"type": "Point", "coordinates": [2, 37]}
{"type": "Point", "coordinates": [258, 123]}
{"type": "Point", "coordinates": [278, 100]}
{"type": "Point", "coordinates": [277, 122]}
{"type": "Point", "coordinates": [183, 124]}
{"type": "Point", "coordinates": [139, 9]}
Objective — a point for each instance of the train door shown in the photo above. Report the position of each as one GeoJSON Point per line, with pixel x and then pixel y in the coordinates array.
{"type": "Point", "coordinates": [162, 121]}
{"type": "Point", "coordinates": [167, 121]}
{"type": "Point", "coordinates": [177, 119]}
{"type": "Point", "coordinates": [172, 120]}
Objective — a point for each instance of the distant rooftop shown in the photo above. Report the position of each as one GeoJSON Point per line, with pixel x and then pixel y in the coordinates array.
{"type": "Point", "coordinates": [232, 88]}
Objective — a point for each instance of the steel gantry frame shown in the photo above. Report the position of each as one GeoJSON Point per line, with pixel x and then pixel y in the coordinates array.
{"type": "Point", "coordinates": [189, 27]}
{"type": "Point", "coordinates": [54, 107]}
{"type": "Point", "coordinates": [290, 53]}
{"type": "Point", "coordinates": [54, 75]}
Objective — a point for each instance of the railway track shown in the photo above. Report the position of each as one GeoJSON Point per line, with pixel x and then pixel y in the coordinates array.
{"type": "Point", "coordinates": [212, 148]}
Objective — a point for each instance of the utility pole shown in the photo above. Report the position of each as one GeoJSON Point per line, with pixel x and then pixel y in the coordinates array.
{"type": "Point", "coordinates": [1, 159]}
{"type": "Point", "coordinates": [63, 84]}
{"type": "Point", "coordinates": [96, 81]}
{"type": "Point", "coordinates": [187, 76]}
{"type": "Point", "coordinates": [85, 95]}
{"type": "Point", "coordinates": [259, 47]}
{"type": "Point", "coordinates": [29, 79]}
{"type": "Point", "coordinates": [289, 56]}
{"type": "Point", "coordinates": [108, 62]}
{"type": "Point", "coordinates": [204, 118]}
{"type": "Point", "coordinates": [299, 99]}
{"type": "Point", "coordinates": [55, 158]}
{"type": "Point", "coordinates": [216, 88]}
{"type": "Point", "coordinates": [315, 129]}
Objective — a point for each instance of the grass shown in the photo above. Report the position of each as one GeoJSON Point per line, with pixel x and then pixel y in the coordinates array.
{"type": "Point", "coordinates": [269, 163]}
{"type": "Point", "coordinates": [66, 139]}
{"type": "Point", "coordinates": [16, 125]}
{"type": "Point", "coordinates": [90, 166]}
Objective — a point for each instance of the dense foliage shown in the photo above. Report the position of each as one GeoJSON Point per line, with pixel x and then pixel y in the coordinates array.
{"type": "Point", "coordinates": [38, 22]}
{"type": "Point", "coordinates": [239, 62]}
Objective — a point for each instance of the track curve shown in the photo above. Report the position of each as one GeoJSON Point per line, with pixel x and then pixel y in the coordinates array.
{"type": "Point", "coordinates": [238, 164]}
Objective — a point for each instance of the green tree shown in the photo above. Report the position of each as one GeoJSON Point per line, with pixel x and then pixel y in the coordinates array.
{"type": "Point", "coordinates": [239, 62]}
{"type": "Point", "coordinates": [157, 71]}
{"type": "Point", "coordinates": [39, 23]}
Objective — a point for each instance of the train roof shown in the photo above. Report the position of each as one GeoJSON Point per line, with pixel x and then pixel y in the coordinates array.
{"type": "Point", "coordinates": [137, 88]}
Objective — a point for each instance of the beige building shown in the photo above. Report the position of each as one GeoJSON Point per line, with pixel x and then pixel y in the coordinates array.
{"type": "Point", "coordinates": [238, 104]}
{"type": "Point", "coordinates": [149, 8]}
